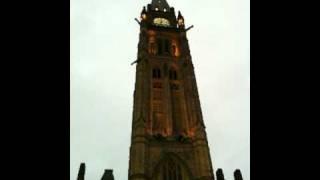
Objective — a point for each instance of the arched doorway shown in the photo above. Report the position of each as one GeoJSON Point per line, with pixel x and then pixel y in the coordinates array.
{"type": "Point", "coordinates": [171, 168]}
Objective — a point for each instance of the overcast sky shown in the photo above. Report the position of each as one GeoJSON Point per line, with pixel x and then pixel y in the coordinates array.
{"type": "Point", "coordinates": [104, 38]}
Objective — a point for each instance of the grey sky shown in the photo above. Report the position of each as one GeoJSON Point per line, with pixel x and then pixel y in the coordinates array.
{"type": "Point", "coordinates": [104, 38]}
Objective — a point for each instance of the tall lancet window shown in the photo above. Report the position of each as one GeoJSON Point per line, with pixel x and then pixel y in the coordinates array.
{"type": "Point", "coordinates": [156, 73]}
{"type": "Point", "coordinates": [160, 48]}
{"type": "Point", "coordinates": [173, 74]}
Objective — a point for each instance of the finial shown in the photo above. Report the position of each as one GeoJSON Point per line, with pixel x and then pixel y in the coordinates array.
{"type": "Point", "coordinates": [144, 9]}
{"type": "Point", "coordinates": [179, 15]}
{"type": "Point", "coordinates": [180, 20]}
{"type": "Point", "coordinates": [160, 5]}
{"type": "Point", "coordinates": [107, 175]}
{"type": "Point", "coordinates": [143, 14]}
{"type": "Point", "coordinates": [219, 174]}
{"type": "Point", "coordinates": [237, 175]}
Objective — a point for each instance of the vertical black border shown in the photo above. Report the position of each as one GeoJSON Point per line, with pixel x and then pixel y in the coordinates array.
{"type": "Point", "coordinates": [282, 123]}
{"type": "Point", "coordinates": [36, 126]}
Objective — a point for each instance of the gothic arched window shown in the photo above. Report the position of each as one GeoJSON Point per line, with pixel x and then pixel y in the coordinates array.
{"type": "Point", "coordinates": [166, 46]}
{"type": "Point", "coordinates": [159, 44]}
{"type": "Point", "coordinates": [152, 49]}
{"type": "Point", "coordinates": [171, 169]}
{"type": "Point", "coordinates": [163, 46]}
{"type": "Point", "coordinates": [156, 73]}
{"type": "Point", "coordinates": [173, 75]}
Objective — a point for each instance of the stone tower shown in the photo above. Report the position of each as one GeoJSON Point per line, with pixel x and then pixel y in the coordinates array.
{"type": "Point", "coordinates": [168, 139]}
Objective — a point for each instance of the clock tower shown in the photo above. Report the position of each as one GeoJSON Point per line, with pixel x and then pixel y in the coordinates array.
{"type": "Point", "coordinates": [168, 139]}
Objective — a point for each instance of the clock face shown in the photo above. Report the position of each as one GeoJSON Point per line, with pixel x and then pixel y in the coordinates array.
{"type": "Point", "coordinates": [161, 22]}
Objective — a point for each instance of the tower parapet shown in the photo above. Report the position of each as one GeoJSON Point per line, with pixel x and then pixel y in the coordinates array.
{"type": "Point", "coordinates": [107, 175]}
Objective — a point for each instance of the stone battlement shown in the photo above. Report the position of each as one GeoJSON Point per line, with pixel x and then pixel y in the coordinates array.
{"type": "Point", "coordinates": [108, 174]}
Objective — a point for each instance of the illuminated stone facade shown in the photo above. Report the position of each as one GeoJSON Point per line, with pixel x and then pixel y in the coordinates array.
{"type": "Point", "coordinates": [168, 134]}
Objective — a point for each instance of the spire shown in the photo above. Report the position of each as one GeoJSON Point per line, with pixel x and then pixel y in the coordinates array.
{"type": "Point", "coordinates": [81, 172]}
{"type": "Point", "coordinates": [144, 10]}
{"type": "Point", "coordinates": [160, 5]}
{"type": "Point", "coordinates": [180, 15]}
{"type": "Point", "coordinates": [143, 14]}
{"type": "Point", "coordinates": [180, 20]}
